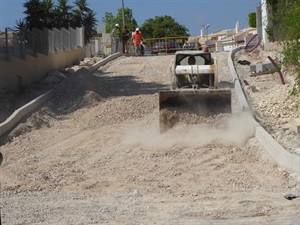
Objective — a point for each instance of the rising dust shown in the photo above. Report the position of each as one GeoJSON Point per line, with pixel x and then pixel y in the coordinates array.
{"type": "Point", "coordinates": [232, 130]}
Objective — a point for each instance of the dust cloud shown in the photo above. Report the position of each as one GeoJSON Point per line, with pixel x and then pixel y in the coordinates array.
{"type": "Point", "coordinates": [234, 131]}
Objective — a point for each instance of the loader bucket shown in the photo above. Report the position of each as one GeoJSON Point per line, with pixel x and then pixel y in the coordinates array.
{"type": "Point", "coordinates": [198, 102]}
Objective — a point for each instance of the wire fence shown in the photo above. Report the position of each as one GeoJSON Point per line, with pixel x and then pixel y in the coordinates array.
{"type": "Point", "coordinates": [16, 43]}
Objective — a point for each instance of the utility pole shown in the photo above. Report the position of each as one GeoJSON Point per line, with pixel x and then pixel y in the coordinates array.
{"type": "Point", "coordinates": [123, 14]}
{"type": "Point", "coordinates": [206, 27]}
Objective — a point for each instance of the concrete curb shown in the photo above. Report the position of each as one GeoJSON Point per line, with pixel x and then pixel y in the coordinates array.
{"type": "Point", "coordinates": [283, 157]}
{"type": "Point", "coordinates": [20, 113]}
{"type": "Point", "coordinates": [104, 61]}
{"type": "Point", "coordinates": [25, 110]}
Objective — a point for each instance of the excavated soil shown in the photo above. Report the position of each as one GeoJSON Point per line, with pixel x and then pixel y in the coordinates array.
{"type": "Point", "coordinates": [272, 103]}
{"type": "Point", "coordinates": [95, 155]}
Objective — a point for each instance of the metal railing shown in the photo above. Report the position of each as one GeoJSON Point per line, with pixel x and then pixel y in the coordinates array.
{"type": "Point", "coordinates": [18, 43]}
{"type": "Point", "coordinates": [165, 45]}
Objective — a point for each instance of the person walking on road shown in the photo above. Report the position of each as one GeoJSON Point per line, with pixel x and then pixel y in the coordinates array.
{"type": "Point", "coordinates": [116, 34]}
{"type": "Point", "coordinates": [125, 38]}
{"type": "Point", "coordinates": [137, 39]}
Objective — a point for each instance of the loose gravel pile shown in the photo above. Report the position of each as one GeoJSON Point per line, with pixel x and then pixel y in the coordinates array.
{"type": "Point", "coordinates": [275, 109]}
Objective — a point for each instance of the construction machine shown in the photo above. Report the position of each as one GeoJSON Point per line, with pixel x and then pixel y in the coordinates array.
{"type": "Point", "coordinates": [194, 89]}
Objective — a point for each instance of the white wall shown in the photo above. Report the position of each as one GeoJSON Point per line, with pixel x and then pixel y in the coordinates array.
{"type": "Point", "coordinates": [34, 68]}
{"type": "Point", "coordinates": [264, 20]}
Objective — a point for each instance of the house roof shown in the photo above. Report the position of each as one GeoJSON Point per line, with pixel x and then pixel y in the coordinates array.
{"type": "Point", "coordinates": [224, 35]}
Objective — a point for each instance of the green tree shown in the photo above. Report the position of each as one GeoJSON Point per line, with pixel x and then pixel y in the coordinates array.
{"type": "Point", "coordinates": [48, 18]}
{"type": "Point", "coordinates": [290, 36]}
{"type": "Point", "coordinates": [284, 27]}
{"type": "Point", "coordinates": [163, 26]}
{"type": "Point", "coordinates": [252, 19]}
{"type": "Point", "coordinates": [110, 20]}
{"type": "Point", "coordinates": [273, 19]}
{"type": "Point", "coordinates": [89, 24]}
{"type": "Point", "coordinates": [83, 16]}
{"type": "Point", "coordinates": [20, 26]}
{"type": "Point", "coordinates": [34, 13]}
{"type": "Point", "coordinates": [79, 13]}
{"type": "Point", "coordinates": [40, 14]}
{"type": "Point", "coordinates": [62, 14]}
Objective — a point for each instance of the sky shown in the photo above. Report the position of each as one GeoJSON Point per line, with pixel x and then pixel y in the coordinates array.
{"type": "Point", "coordinates": [219, 14]}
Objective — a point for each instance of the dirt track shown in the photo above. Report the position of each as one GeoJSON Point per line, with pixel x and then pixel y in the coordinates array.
{"type": "Point", "coordinates": [95, 156]}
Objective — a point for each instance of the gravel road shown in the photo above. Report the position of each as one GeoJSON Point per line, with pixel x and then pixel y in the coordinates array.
{"type": "Point", "coordinates": [94, 155]}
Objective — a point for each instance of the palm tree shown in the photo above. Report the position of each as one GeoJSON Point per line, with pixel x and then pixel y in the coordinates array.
{"type": "Point", "coordinates": [47, 7]}
{"type": "Point", "coordinates": [79, 13]}
{"type": "Point", "coordinates": [62, 14]}
{"type": "Point", "coordinates": [20, 26]}
{"type": "Point", "coordinates": [83, 16]}
{"type": "Point", "coordinates": [89, 24]}
{"type": "Point", "coordinates": [40, 14]}
{"type": "Point", "coordinates": [33, 14]}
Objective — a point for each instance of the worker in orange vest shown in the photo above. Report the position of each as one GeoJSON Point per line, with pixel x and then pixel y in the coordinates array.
{"type": "Point", "coordinates": [137, 39]}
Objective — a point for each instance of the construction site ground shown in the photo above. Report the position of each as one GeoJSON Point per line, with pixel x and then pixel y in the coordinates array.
{"type": "Point", "coordinates": [94, 155]}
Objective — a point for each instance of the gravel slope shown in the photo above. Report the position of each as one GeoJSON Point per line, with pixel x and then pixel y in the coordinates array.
{"type": "Point", "coordinates": [275, 109]}
{"type": "Point", "coordinates": [94, 155]}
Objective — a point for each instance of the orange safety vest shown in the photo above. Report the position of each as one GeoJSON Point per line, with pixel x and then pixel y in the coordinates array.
{"type": "Point", "coordinates": [137, 37]}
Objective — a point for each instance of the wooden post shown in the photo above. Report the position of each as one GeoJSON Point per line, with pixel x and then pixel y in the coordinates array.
{"type": "Point", "coordinates": [279, 71]}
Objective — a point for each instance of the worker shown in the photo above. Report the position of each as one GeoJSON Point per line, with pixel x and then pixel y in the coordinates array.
{"type": "Point", "coordinates": [205, 49]}
{"type": "Point", "coordinates": [137, 40]}
{"type": "Point", "coordinates": [192, 60]}
{"type": "Point", "coordinates": [187, 77]}
{"type": "Point", "coordinates": [116, 34]}
{"type": "Point", "coordinates": [125, 38]}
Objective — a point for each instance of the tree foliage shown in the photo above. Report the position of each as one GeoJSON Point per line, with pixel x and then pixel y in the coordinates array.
{"type": "Point", "coordinates": [33, 12]}
{"type": "Point", "coordinates": [45, 14]}
{"type": "Point", "coordinates": [110, 20]}
{"type": "Point", "coordinates": [62, 14]}
{"type": "Point", "coordinates": [158, 27]}
{"type": "Point", "coordinates": [83, 16]}
{"type": "Point", "coordinates": [252, 19]}
{"type": "Point", "coordinates": [163, 26]}
{"type": "Point", "coordinates": [284, 27]}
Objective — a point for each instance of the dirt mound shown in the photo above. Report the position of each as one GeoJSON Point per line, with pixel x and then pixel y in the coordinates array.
{"type": "Point", "coordinates": [274, 107]}
{"type": "Point", "coordinates": [79, 90]}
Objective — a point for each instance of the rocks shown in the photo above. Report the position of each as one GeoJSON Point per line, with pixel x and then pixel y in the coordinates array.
{"type": "Point", "coordinates": [272, 99]}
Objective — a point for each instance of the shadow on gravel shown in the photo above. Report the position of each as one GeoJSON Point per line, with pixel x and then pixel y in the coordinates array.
{"type": "Point", "coordinates": [84, 89]}
{"type": "Point", "coordinates": [226, 84]}
{"type": "Point", "coordinates": [126, 85]}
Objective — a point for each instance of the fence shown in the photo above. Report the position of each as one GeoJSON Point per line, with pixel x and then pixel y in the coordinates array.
{"type": "Point", "coordinates": [15, 43]}
{"type": "Point", "coordinates": [165, 45]}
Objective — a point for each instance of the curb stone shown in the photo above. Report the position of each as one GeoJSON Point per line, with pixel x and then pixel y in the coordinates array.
{"type": "Point", "coordinates": [283, 157]}
{"type": "Point", "coordinates": [25, 110]}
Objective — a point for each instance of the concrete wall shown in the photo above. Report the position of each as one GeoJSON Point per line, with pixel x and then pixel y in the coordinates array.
{"type": "Point", "coordinates": [32, 69]}
{"type": "Point", "coordinates": [30, 107]}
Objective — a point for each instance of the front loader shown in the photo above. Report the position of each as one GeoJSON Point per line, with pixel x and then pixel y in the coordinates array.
{"type": "Point", "coordinates": [194, 89]}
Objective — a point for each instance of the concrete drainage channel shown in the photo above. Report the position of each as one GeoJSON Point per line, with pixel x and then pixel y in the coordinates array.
{"type": "Point", "coordinates": [283, 157]}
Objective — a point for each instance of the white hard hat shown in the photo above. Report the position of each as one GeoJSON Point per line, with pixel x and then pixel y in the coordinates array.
{"type": "Point", "coordinates": [117, 25]}
{"type": "Point", "coordinates": [137, 29]}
